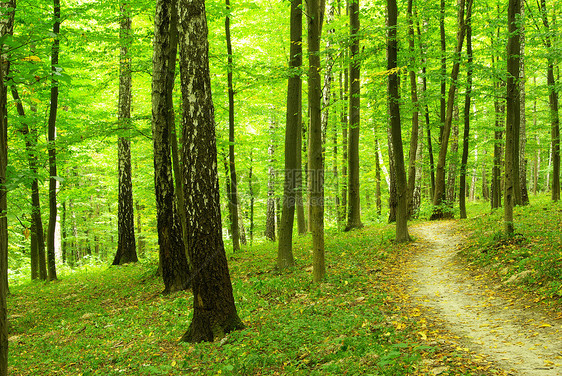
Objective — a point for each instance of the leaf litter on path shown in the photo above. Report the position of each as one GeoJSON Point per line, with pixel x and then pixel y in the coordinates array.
{"type": "Point", "coordinates": [524, 341]}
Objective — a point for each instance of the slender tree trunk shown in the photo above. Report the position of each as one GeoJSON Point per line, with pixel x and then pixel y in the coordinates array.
{"type": "Point", "coordinates": [270, 214]}
{"type": "Point", "coordinates": [453, 162]}
{"type": "Point", "coordinates": [301, 219]}
{"type": "Point", "coordinates": [413, 151]}
{"type": "Point", "coordinates": [6, 28]}
{"type": "Point", "coordinates": [173, 260]}
{"type": "Point", "coordinates": [344, 126]}
{"type": "Point", "coordinates": [354, 202]}
{"type": "Point", "coordinates": [378, 178]}
{"type": "Point", "coordinates": [438, 211]}
{"type": "Point", "coordinates": [513, 113]}
{"type": "Point", "coordinates": [51, 265]}
{"type": "Point", "coordinates": [392, 192]}
{"type": "Point", "coordinates": [233, 199]}
{"type": "Point", "coordinates": [396, 132]}
{"type": "Point", "coordinates": [214, 312]}
{"type": "Point", "coordinates": [523, 125]}
{"type": "Point", "coordinates": [38, 267]}
{"type": "Point", "coordinates": [293, 172]}
{"type": "Point", "coordinates": [252, 199]}
{"type": "Point", "coordinates": [126, 246]}
{"type": "Point", "coordinates": [553, 102]}
{"type": "Point", "coordinates": [443, 98]}
{"type": "Point", "coordinates": [315, 158]}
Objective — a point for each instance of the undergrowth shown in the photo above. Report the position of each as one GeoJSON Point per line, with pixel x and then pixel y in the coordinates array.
{"type": "Point", "coordinates": [530, 259]}
{"type": "Point", "coordinates": [114, 321]}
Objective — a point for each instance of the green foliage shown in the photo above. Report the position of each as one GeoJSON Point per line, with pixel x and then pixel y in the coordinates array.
{"type": "Point", "coordinates": [114, 321]}
{"type": "Point", "coordinates": [536, 247]}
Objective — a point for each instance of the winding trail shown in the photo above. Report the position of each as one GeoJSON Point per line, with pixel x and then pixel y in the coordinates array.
{"type": "Point", "coordinates": [522, 341]}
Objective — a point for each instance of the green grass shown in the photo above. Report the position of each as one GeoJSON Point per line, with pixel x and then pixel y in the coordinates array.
{"type": "Point", "coordinates": [114, 321]}
{"type": "Point", "coordinates": [536, 246]}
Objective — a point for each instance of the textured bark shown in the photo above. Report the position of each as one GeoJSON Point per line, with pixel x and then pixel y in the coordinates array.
{"type": "Point", "coordinates": [173, 260]}
{"type": "Point", "coordinates": [301, 219]}
{"type": "Point", "coordinates": [292, 130]}
{"type": "Point", "coordinates": [443, 98]}
{"type": "Point", "coordinates": [315, 158]}
{"type": "Point", "coordinates": [378, 178]}
{"type": "Point", "coordinates": [233, 196]}
{"type": "Point", "coordinates": [413, 151]}
{"type": "Point", "coordinates": [214, 312]}
{"type": "Point", "coordinates": [553, 102]}
{"type": "Point", "coordinates": [51, 266]}
{"type": "Point", "coordinates": [126, 245]}
{"type": "Point", "coordinates": [513, 114]}
{"type": "Point", "coordinates": [392, 193]}
{"type": "Point", "coordinates": [499, 106]}
{"type": "Point", "coordinates": [344, 89]}
{"type": "Point", "coordinates": [395, 125]}
{"type": "Point", "coordinates": [252, 198]}
{"type": "Point", "coordinates": [354, 203]}
{"type": "Point", "coordinates": [6, 28]}
{"type": "Point", "coordinates": [439, 197]}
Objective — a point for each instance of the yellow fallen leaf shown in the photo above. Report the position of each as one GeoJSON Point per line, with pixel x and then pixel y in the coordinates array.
{"type": "Point", "coordinates": [423, 336]}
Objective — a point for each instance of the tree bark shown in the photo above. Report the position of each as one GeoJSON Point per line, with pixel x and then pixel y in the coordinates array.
{"type": "Point", "coordinates": [214, 312]}
{"type": "Point", "coordinates": [315, 158]}
{"type": "Point", "coordinates": [354, 202]}
{"type": "Point", "coordinates": [443, 100]}
{"type": "Point", "coordinates": [233, 199]}
{"type": "Point", "coordinates": [439, 197]}
{"type": "Point", "coordinates": [292, 148]}
{"type": "Point", "coordinates": [173, 260]}
{"type": "Point", "coordinates": [396, 132]}
{"type": "Point", "coordinates": [513, 114]}
{"type": "Point", "coordinates": [6, 28]}
{"type": "Point", "coordinates": [126, 245]}
{"type": "Point", "coordinates": [413, 151]}
{"type": "Point", "coordinates": [51, 265]}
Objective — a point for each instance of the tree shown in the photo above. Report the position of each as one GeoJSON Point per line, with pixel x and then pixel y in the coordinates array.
{"type": "Point", "coordinates": [415, 115]}
{"type": "Point", "coordinates": [126, 246]}
{"type": "Point", "coordinates": [396, 131]}
{"type": "Point", "coordinates": [523, 125]}
{"type": "Point", "coordinates": [553, 102]}
{"type": "Point", "coordinates": [292, 139]}
{"type": "Point", "coordinates": [270, 215]}
{"type": "Point", "coordinates": [51, 266]}
{"type": "Point", "coordinates": [439, 196]}
{"type": "Point", "coordinates": [513, 113]}
{"type": "Point", "coordinates": [6, 28]}
{"type": "Point", "coordinates": [233, 194]}
{"type": "Point", "coordinates": [466, 133]}
{"type": "Point", "coordinates": [37, 254]}
{"type": "Point", "coordinates": [173, 260]}
{"type": "Point", "coordinates": [315, 157]}
{"type": "Point", "coordinates": [354, 203]}
{"type": "Point", "coordinates": [214, 312]}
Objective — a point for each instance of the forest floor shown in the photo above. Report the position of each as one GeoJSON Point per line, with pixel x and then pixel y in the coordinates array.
{"type": "Point", "coordinates": [479, 313]}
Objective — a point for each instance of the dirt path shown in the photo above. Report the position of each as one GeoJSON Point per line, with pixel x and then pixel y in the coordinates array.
{"type": "Point", "coordinates": [523, 341]}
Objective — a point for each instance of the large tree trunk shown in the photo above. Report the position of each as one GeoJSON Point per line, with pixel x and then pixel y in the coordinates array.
{"type": "Point", "coordinates": [443, 97]}
{"type": "Point", "coordinates": [51, 266]}
{"type": "Point", "coordinates": [214, 312]}
{"type": "Point", "coordinates": [315, 157]}
{"type": "Point", "coordinates": [413, 152]}
{"type": "Point", "coordinates": [553, 102]}
{"type": "Point", "coordinates": [6, 28]}
{"type": "Point", "coordinates": [173, 260]}
{"type": "Point", "coordinates": [513, 113]}
{"type": "Point", "coordinates": [293, 171]}
{"type": "Point", "coordinates": [354, 203]}
{"type": "Point", "coordinates": [439, 198]}
{"type": "Point", "coordinates": [466, 132]}
{"type": "Point", "coordinates": [126, 246]}
{"type": "Point", "coordinates": [233, 199]}
{"type": "Point", "coordinates": [396, 132]}
{"type": "Point", "coordinates": [392, 193]}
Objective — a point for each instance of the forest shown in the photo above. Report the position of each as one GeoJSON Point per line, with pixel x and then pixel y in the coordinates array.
{"type": "Point", "coordinates": [277, 187]}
